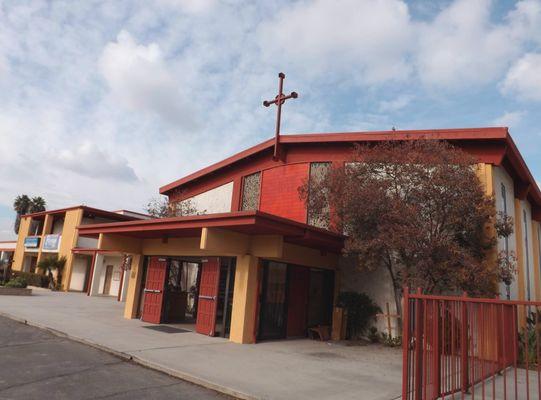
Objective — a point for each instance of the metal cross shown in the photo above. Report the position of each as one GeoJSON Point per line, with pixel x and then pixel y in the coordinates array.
{"type": "Point", "coordinates": [279, 100]}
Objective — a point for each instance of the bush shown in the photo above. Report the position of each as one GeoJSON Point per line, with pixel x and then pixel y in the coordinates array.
{"type": "Point", "coordinates": [18, 282]}
{"type": "Point", "coordinates": [361, 310]}
{"type": "Point", "coordinates": [33, 279]}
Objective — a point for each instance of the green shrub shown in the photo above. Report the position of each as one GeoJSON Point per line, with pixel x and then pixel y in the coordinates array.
{"type": "Point", "coordinates": [33, 279]}
{"type": "Point", "coordinates": [361, 311]}
{"type": "Point", "coordinates": [391, 341]}
{"type": "Point", "coordinates": [18, 282]}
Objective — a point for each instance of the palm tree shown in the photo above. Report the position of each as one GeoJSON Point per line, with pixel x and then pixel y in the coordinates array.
{"type": "Point", "coordinates": [37, 204]}
{"type": "Point", "coordinates": [24, 205]}
{"type": "Point", "coordinates": [21, 206]}
{"type": "Point", "coordinates": [50, 264]}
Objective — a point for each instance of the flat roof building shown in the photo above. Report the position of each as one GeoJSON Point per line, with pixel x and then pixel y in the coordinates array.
{"type": "Point", "coordinates": [54, 233]}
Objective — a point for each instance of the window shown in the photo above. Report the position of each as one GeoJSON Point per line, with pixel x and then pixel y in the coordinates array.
{"type": "Point", "coordinates": [504, 210]}
{"type": "Point", "coordinates": [251, 186]}
{"type": "Point", "coordinates": [527, 258]}
{"type": "Point", "coordinates": [505, 239]}
{"type": "Point", "coordinates": [318, 172]}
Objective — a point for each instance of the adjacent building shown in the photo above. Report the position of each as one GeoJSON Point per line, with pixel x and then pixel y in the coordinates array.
{"type": "Point", "coordinates": [253, 266]}
{"type": "Point", "coordinates": [7, 248]}
{"type": "Point", "coordinates": [54, 233]}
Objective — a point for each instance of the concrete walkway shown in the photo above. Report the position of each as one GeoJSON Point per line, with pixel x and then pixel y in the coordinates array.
{"type": "Point", "coordinates": [295, 369]}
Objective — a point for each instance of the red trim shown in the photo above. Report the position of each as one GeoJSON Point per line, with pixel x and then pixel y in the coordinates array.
{"type": "Point", "coordinates": [493, 145]}
{"type": "Point", "coordinates": [96, 211]}
{"type": "Point", "coordinates": [236, 198]}
{"type": "Point", "coordinates": [249, 222]}
{"type": "Point", "coordinates": [446, 134]}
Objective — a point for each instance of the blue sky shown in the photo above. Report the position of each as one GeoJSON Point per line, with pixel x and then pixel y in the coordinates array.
{"type": "Point", "coordinates": [102, 102]}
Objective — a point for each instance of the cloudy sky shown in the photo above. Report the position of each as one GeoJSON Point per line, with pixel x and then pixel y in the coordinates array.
{"type": "Point", "coordinates": [102, 102]}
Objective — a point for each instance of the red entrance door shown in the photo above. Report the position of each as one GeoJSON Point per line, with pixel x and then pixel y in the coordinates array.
{"type": "Point", "coordinates": [208, 296]}
{"type": "Point", "coordinates": [154, 287]}
{"type": "Point", "coordinates": [297, 300]}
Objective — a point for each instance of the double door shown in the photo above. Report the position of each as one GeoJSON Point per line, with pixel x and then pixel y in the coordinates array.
{"type": "Point", "coordinates": [208, 292]}
{"type": "Point", "coordinates": [292, 299]}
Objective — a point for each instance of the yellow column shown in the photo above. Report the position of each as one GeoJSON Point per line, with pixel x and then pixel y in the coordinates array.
{"type": "Point", "coordinates": [134, 286]}
{"type": "Point", "coordinates": [485, 173]}
{"type": "Point", "coordinates": [243, 318]}
{"type": "Point", "coordinates": [47, 226]}
{"type": "Point", "coordinates": [68, 241]}
{"type": "Point", "coordinates": [536, 260]}
{"type": "Point", "coordinates": [18, 257]}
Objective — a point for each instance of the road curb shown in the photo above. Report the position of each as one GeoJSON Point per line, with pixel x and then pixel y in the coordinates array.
{"type": "Point", "coordinates": [139, 361]}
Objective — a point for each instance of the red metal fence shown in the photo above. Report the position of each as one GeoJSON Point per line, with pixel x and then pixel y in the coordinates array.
{"type": "Point", "coordinates": [467, 348]}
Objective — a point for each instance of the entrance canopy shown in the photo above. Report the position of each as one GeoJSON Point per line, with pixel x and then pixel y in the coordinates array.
{"type": "Point", "coordinates": [250, 223]}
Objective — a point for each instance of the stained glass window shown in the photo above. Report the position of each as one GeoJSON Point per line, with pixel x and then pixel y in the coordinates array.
{"type": "Point", "coordinates": [250, 192]}
{"type": "Point", "coordinates": [318, 171]}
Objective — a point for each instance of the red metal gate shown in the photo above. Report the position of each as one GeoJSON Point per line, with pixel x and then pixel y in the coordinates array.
{"type": "Point", "coordinates": [462, 347]}
{"type": "Point", "coordinates": [154, 287]}
{"type": "Point", "coordinates": [208, 296]}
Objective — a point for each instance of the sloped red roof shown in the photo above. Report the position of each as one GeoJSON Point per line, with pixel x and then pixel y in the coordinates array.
{"type": "Point", "coordinates": [500, 135]}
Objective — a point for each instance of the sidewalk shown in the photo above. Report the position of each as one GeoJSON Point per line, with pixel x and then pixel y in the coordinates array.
{"type": "Point", "coordinates": [294, 369]}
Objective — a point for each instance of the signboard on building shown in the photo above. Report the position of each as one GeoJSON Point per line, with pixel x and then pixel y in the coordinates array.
{"type": "Point", "coordinates": [31, 242]}
{"type": "Point", "coordinates": [51, 242]}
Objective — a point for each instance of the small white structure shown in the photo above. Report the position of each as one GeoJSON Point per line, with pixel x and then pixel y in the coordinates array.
{"type": "Point", "coordinates": [108, 277]}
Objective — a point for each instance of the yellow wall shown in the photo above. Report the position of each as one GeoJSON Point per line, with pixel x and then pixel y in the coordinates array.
{"type": "Point", "coordinates": [134, 286]}
{"type": "Point", "coordinates": [243, 317]}
{"type": "Point", "coordinates": [72, 218]}
{"type": "Point", "coordinates": [217, 242]}
{"type": "Point", "coordinates": [18, 257]}
{"type": "Point", "coordinates": [68, 241]}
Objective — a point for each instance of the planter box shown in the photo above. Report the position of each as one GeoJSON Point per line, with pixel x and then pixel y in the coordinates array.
{"type": "Point", "coordinates": [9, 291]}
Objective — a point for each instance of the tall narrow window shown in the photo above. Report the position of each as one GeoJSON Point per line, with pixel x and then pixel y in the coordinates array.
{"type": "Point", "coordinates": [504, 210]}
{"type": "Point", "coordinates": [318, 172]}
{"type": "Point", "coordinates": [251, 186]}
{"type": "Point", "coordinates": [527, 246]}
{"type": "Point", "coordinates": [505, 239]}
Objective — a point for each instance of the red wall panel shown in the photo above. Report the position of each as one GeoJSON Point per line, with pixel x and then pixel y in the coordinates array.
{"type": "Point", "coordinates": [280, 191]}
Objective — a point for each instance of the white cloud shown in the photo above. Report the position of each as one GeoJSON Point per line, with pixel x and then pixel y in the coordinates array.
{"type": "Point", "coordinates": [395, 104]}
{"type": "Point", "coordinates": [106, 101]}
{"type": "Point", "coordinates": [140, 80]}
{"type": "Point", "coordinates": [509, 119]}
{"type": "Point", "coordinates": [461, 46]}
{"type": "Point", "coordinates": [191, 6]}
{"type": "Point", "coordinates": [366, 39]}
{"type": "Point", "coordinates": [89, 160]}
{"type": "Point", "coordinates": [524, 78]}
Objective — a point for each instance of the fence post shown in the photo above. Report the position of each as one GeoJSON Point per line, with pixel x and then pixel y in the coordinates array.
{"type": "Point", "coordinates": [437, 348]}
{"type": "Point", "coordinates": [405, 343]}
{"type": "Point", "coordinates": [464, 344]}
{"type": "Point", "coordinates": [419, 354]}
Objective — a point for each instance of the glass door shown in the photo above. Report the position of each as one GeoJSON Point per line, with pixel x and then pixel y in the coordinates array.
{"type": "Point", "coordinates": [272, 323]}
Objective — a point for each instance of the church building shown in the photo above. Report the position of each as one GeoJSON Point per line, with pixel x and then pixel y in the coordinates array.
{"type": "Point", "coordinates": [253, 266]}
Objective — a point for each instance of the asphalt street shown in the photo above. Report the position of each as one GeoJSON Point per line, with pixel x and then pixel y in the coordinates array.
{"type": "Point", "coordinates": [35, 364]}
